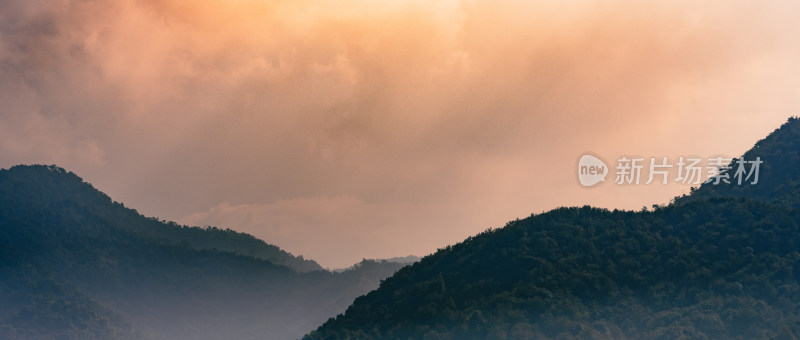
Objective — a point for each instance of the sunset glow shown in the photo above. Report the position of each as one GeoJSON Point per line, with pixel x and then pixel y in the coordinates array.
{"type": "Point", "coordinates": [352, 129]}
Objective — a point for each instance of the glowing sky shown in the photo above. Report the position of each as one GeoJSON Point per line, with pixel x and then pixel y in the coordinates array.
{"type": "Point", "coordinates": [353, 129]}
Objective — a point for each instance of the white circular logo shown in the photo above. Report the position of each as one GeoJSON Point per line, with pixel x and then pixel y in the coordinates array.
{"type": "Point", "coordinates": [591, 170]}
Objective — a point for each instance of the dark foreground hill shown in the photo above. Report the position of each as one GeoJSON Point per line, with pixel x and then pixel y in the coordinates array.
{"type": "Point", "coordinates": [722, 265]}
{"type": "Point", "coordinates": [76, 265]}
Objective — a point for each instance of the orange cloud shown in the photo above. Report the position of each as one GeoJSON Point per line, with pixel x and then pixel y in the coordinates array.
{"type": "Point", "coordinates": [459, 114]}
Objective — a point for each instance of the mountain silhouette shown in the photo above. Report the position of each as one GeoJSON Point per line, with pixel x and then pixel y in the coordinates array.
{"type": "Point", "coordinates": [76, 265]}
{"type": "Point", "coordinates": [722, 263]}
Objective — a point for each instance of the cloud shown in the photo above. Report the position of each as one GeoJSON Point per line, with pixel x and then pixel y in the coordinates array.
{"type": "Point", "coordinates": [459, 114]}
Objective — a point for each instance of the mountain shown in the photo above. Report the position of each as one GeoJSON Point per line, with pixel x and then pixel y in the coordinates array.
{"type": "Point", "coordinates": [723, 263]}
{"type": "Point", "coordinates": [779, 174]}
{"type": "Point", "coordinates": [400, 259]}
{"type": "Point", "coordinates": [404, 259]}
{"type": "Point", "coordinates": [230, 241]}
{"type": "Point", "coordinates": [50, 185]}
{"type": "Point", "coordinates": [76, 265]}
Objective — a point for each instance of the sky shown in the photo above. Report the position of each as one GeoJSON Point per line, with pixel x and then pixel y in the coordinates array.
{"type": "Point", "coordinates": [349, 129]}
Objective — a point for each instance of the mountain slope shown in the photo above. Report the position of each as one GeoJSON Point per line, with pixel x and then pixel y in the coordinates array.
{"type": "Point", "coordinates": [695, 271]}
{"type": "Point", "coordinates": [779, 174]}
{"type": "Point", "coordinates": [50, 185]}
{"type": "Point", "coordinates": [709, 267]}
{"type": "Point", "coordinates": [76, 265]}
{"type": "Point", "coordinates": [404, 260]}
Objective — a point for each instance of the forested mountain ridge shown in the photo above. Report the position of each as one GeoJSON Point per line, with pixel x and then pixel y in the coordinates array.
{"type": "Point", "coordinates": [38, 185]}
{"type": "Point", "coordinates": [708, 267]}
{"type": "Point", "coordinates": [76, 265]}
{"type": "Point", "coordinates": [779, 174]}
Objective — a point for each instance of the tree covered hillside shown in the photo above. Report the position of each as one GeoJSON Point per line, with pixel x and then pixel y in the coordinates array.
{"type": "Point", "coordinates": [779, 174]}
{"type": "Point", "coordinates": [723, 263]}
{"type": "Point", "coordinates": [76, 265]}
